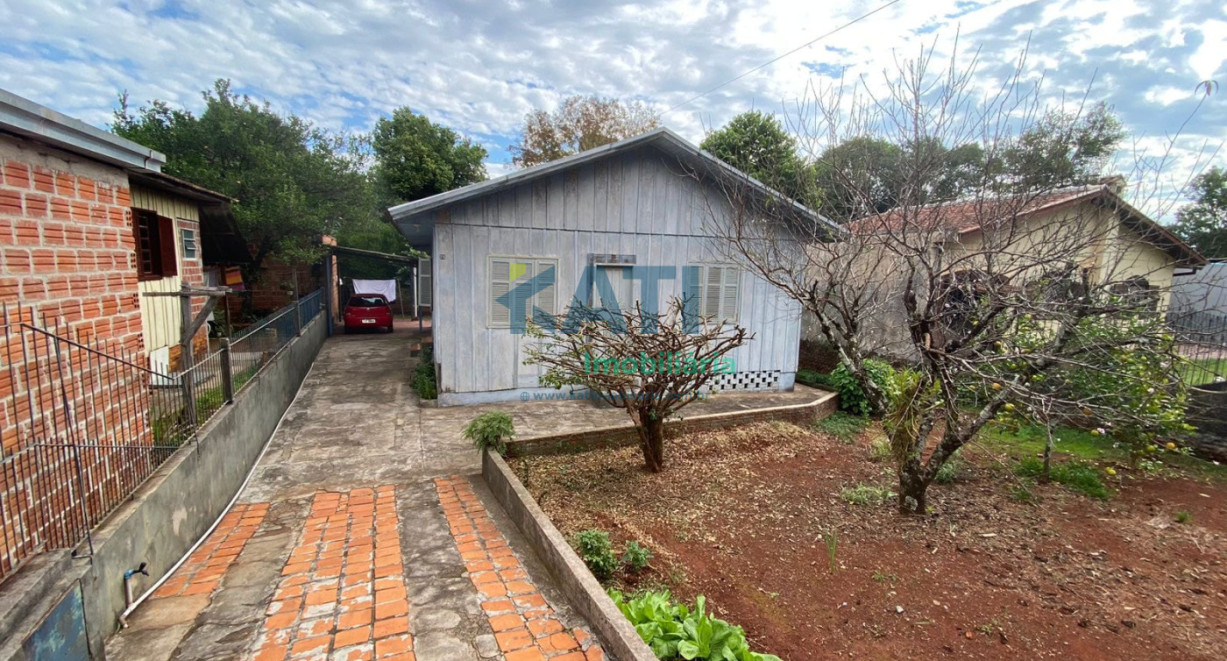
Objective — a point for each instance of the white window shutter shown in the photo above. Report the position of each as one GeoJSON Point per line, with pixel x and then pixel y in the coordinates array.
{"type": "Point", "coordinates": [546, 297]}
{"type": "Point", "coordinates": [711, 293]}
{"type": "Point", "coordinates": [728, 304]}
{"type": "Point", "coordinates": [500, 284]}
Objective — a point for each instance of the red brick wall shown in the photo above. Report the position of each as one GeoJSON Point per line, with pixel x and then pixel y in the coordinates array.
{"type": "Point", "coordinates": [66, 266]}
{"type": "Point", "coordinates": [66, 244]}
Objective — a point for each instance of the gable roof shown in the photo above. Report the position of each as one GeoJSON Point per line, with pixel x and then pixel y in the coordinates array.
{"type": "Point", "coordinates": [964, 217]}
{"type": "Point", "coordinates": [411, 219]}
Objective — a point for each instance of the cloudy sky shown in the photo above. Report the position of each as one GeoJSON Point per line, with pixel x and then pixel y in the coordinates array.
{"type": "Point", "coordinates": [480, 65]}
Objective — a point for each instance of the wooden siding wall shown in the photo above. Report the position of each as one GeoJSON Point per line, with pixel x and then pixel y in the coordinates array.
{"type": "Point", "coordinates": [633, 204]}
{"type": "Point", "coordinates": [160, 315]}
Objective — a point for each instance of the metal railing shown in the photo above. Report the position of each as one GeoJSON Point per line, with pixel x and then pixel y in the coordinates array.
{"type": "Point", "coordinates": [84, 422]}
{"type": "Point", "coordinates": [1202, 340]}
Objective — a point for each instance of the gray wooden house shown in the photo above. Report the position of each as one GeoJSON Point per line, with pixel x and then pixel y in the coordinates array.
{"type": "Point", "coordinates": [596, 216]}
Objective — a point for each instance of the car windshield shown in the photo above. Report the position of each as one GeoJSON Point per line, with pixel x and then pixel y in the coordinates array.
{"type": "Point", "coordinates": [367, 302]}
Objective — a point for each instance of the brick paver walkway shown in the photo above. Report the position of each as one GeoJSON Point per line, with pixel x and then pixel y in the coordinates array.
{"type": "Point", "coordinates": [344, 547]}
{"type": "Point", "coordinates": [524, 624]}
{"type": "Point", "coordinates": [342, 596]}
{"type": "Point", "coordinates": [203, 570]}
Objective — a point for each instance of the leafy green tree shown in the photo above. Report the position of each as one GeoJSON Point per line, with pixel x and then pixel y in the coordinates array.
{"type": "Point", "coordinates": [416, 158]}
{"type": "Point", "coordinates": [1203, 224]}
{"type": "Point", "coordinates": [858, 177]}
{"type": "Point", "coordinates": [293, 181]}
{"type": "Point", "coordinates": [1063, 148]}
{"type": "Point", "coordinates": [580, 124]}
{"type": "Point", "coordinates": [757, 144]}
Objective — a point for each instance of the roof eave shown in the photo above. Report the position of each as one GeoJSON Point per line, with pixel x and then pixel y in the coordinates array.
{"type": "Point", "coordinates": [27, 119]}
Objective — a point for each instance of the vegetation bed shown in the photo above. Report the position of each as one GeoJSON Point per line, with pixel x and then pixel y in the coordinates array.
{"type": "Point", "coordinates": [757, 519]}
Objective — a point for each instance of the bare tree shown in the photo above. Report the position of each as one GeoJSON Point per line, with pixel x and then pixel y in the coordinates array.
{"type": "Point", "coordinates": [1027, 295]}
{"type": "Point", "coordinates": [649, 364]}
{"type": "Point", "coordinates": [580, 123]}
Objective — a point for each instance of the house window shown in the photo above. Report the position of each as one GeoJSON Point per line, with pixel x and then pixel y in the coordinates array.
{"type": "Point", "coordinates": [424, 282]}
{"type": "Point", "coordinates": [506, 274]}
{"type": "Point", "coordinates": [719, 292]}
{"type": "Point", "coordinates": [188, 238]}
{"type": "Point", "coordinates": [155, 245]}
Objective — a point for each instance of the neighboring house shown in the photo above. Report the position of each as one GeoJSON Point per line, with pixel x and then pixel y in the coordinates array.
{"type": "Point", "coordinates": [185, 235]}
{"type": "Point", "coordinates": [88, 224]}
{"type": "Point", "coordinates": [597, 216]}
{"type": "Point", "coordinates": [1120, 247]}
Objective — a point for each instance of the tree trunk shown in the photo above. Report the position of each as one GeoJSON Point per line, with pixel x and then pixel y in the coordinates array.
{"type": "Point", "coordinates": [1046, 475]}
{"type": "Point", "coordinates": [912, 488]}
{"type": "Point", "coordinates": [652, 442]}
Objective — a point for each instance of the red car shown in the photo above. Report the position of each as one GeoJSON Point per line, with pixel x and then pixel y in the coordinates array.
{"type": "Point", "coordinates": [367, 311]}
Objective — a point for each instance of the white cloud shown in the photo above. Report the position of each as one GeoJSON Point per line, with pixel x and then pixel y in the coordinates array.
{"type": "Point", "coordinates": [480, 66]}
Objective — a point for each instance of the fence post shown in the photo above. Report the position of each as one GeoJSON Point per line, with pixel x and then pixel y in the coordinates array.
{"type": "Point", "coordinates": [187, 359]}
{"type": "Point", "coordinates": [227, 372]}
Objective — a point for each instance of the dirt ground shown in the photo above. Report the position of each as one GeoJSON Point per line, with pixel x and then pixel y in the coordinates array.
{"type": "Point", "coordinates": [740, 516]}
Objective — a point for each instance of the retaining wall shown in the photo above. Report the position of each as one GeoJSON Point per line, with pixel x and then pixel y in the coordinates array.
{"type": "Point", "coordinates": [157, 526]}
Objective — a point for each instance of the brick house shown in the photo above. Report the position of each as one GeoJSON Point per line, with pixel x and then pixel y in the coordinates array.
{"type": "Point", "coordinates": [88, 222]}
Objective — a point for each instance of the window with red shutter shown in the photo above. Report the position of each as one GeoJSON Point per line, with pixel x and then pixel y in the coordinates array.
{"type": "Point", "coordinates": [155, 245]}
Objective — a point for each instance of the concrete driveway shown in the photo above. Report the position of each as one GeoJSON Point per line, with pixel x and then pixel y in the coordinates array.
{"type": "Point", "coordinates": [363, 533]}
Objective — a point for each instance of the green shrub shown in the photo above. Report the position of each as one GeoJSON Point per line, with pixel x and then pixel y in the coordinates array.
{"type": "Point", "coordinates": [866, 494]}
{"type": "Point", "coordinates": [673, 631]}
{"type": "Point", "coordinates": [596, 551]}
{"type": "Point", "coordinates": [951, 470]}
{"type": "Point", "coordinates": [843, 426]}
{"type": "Point", "coordinates": [490, 430]}
{"type": "Point", "coordinates": [879, 449]}
{"type": "Point", "coordinates": [851, 396]}
{"type": "Point", "coordinates": [636, 556]}
{"type": "Point", "coordinates": [1183, 516]}
{"type": "Point", "coordinates": [1075, 475]}
{"type": "Point", "coordinates": [424, 375]}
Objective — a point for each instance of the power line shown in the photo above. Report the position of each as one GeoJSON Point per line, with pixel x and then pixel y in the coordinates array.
{"type": "Point", "coordinates": [782, 56]}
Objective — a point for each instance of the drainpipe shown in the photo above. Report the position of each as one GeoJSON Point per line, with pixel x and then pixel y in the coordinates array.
{"type": "Point", "coordinates": [123, 619]}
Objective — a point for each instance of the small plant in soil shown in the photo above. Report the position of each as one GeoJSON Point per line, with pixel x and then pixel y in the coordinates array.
{"type": "Point", "coordinates": [1021, 493]}
{"type": "Point", "coordinates": [596, 551]}
{"type": "Point", "coordinates": [1183, 516]}
{"type": "Point", "coordinates": [843, 426]}
{"type": "Point", "coordinates": [885, 578]}
{"type": "Point", "coordinates": [951, 470]}
{"type": "Point", "coordinates": [866, 494]}
{"type": "Point", "coordinates": [636, 556]}
{"type": "Point", "coordinates": [490, 430]}
{"type": "Point", "coordinates": [831, 539]}
{"type": "Point", "coordinates": [879, 450]}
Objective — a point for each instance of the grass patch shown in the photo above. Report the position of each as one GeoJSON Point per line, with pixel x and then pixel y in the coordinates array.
{"type": "Point", "coordinates": [866, 494]}
{"type": "Point", "coordinates": [1183, 516]}
{"type": "Point", "coordinates": [1200, 371]}
{"type": "Point", "coordinates": [842, 425]}
{"type": "Point", "coordinates": [814, 379]}
{"type": "Point", "coordinates": [1079, 444]}
{"type": "Point", "coordinates": [1073, 475]}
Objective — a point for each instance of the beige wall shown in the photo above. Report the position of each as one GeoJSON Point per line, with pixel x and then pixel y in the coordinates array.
{"type": "Point", "coordinates": [161, 319]}
{"type": "Point", "coordinates": [1113, 253]}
